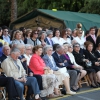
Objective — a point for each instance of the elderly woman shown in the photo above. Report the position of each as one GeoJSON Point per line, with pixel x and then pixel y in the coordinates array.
{"type": "Point", "coordinates": [73, 66]}
{"type": "Point", "coordinates": [63, 78]}
{"type": "Point", "coordinates": [17, 38]}
{"type": "Point", "coordinates": [42, 36]}
{"type": "Point", "coordinates": [38, 67]}
{"type": "Point", "coordinates": [95, 64]}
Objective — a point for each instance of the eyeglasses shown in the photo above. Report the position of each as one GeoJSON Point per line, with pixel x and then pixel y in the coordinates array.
{"type": "Point", "coordinates": [5, 31]}
{"type": "Point", "coordinates": [70, 47]}
{"type": "Point", "coordinates": [28, 49]}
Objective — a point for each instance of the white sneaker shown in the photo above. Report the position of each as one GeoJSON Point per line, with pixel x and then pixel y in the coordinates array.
{"type": "Point", "coordinates": [71, 93]}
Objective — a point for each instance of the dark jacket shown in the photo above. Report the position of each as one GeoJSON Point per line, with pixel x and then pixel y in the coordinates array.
{"type": "Point", "coordinates": [47, 41]}
{"type": "Point", "coordinates": [78, 58]}
{"type": "Point", "coordinates": [24, 63]}
{"type": "Point", "coordinates": [91, 57]}
{"type": "Point", "coordinates": [97, 54]}
{"type": "Point", "coordinates": [97, 41]}
{"type": "Point", "coordinates": [3, 57]}
{"type": "Point", "coordinates": [60, 59]}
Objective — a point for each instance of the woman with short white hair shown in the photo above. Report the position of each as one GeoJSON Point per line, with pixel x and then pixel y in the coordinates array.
{"type": "Point", "coordinates": [63, 77]}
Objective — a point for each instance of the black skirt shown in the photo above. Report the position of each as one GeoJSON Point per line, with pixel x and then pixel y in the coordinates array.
{"type": "Point", "coordinates": [90, 70]}
{"type": "Point", "coordinates": [96, 68]}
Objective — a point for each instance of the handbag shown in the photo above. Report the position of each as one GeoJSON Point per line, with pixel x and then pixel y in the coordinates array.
{"type": "Point", "coordinates": [48, 71]}
{"type": "Point", "coordinates": [88, 64]}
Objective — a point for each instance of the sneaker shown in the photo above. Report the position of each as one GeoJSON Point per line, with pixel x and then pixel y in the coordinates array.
{"type": "Point", "coordinates": [71, 93]}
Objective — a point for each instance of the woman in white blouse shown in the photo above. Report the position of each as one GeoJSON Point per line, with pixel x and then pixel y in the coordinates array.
{"type": "Point", "coordinates": [57, 38]}
{"type": "Point", "coordinates": [79, 39]}
{"type": "Point", "coordinates": [64, 35]}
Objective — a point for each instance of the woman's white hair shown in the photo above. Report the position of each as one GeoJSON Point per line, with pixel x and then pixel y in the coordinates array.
{"type": "Point", "coordinates": [28, 45]}
{"type": "Point", "coordinates": [46, 48]}
{"type": "Point", "coordinates": [20, 45]}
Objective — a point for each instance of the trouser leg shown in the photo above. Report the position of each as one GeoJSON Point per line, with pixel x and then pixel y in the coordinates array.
{"type": "Point", "coordinates": [32, 82]}
{"type": "Point", "coordinates": [73, 77]}
{"type": "Point", "coordinates": [20, 89]}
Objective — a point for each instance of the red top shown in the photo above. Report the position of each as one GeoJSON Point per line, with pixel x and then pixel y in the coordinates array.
{"type": "Point", "coordinates": [37, 64]}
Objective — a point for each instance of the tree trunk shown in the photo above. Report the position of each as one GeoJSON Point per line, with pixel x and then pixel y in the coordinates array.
{"type": "Point", "coordinates": [13, 10]}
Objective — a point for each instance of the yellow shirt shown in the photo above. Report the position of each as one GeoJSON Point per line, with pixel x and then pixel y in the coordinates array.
{"type": "Point", "coordinates": [3, 42]}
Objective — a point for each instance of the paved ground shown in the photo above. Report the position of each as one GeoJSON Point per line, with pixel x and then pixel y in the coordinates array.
{"type": "Point", "coordinates": [85, 93]}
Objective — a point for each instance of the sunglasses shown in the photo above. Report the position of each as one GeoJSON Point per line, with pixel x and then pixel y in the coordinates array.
{"type": "Point", "coordinates": [5, 31]}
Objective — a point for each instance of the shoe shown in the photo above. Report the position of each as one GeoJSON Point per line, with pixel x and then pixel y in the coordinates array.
{"type": "Point", "coordinates": [94, 86]}
{"type": "Point", "coordinates": [73, 89]}
{"type": "Point", "coordinates": [71, 93]}
{"type": "Point", "coordinates": [98, 83]}
{"type": "Point", "coordinates": [28, 98]}
{"type": "Point", "coordinates": [52, 96]}
{"type": "Point", "coordinates": [38, 99]}
{"type": "Point", "coordinates": [77, 89]}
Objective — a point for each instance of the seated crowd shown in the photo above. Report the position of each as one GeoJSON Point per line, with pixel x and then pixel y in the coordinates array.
{"type": "Point", "coordinates": [45, 59]}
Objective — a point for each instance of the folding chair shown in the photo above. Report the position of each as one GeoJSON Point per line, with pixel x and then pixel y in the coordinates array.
{"type": "Point", "coordinates": [84, 80]}
{"type": "Point", "coordinates": [3, 92]}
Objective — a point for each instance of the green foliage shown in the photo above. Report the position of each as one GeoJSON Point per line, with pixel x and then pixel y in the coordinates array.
{"type": "Point", "coordinates": [25, 6]}
{"type": "Point", "coordinates": [91, 6]}
{"type": "Point", "coordinates": [4, 12]}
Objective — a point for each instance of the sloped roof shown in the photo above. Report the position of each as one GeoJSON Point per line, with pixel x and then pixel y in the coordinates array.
{"type": "Point", "coordinates": [69, 18]}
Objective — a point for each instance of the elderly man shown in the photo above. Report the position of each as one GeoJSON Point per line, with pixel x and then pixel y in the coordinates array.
{"type": "Point", "coordinates": [23, 60]}
{"type": "Point", "coordinates": [13, 68]}
{"type": "Point", "coordinates": [61, 62]}
{"type": "Point", "coordinates": [6, 52]}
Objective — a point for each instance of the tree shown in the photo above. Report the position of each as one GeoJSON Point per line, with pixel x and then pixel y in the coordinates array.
{"type": "Point", "coordinates": [4, 12]}
{"type": "Point", "coordinates": [91, 6]}
{"type": "Point", "coordinates": [13, 10]}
